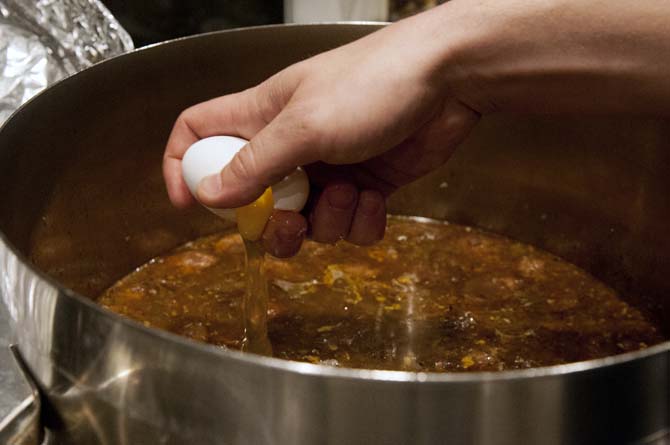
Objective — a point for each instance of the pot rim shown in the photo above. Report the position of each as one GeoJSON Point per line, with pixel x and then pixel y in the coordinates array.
{"type": "Point", "coordinates": [296, 367]}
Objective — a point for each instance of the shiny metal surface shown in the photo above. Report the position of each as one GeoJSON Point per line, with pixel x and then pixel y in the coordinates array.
{"type": "Point", "coordinates": [23, 426]}
{"type": "Point", "coordinates": [17, 401]}
{"type": "Point", "coordinates": [83, 203]}
{"type": "Point", "coordinates": [13, 389]}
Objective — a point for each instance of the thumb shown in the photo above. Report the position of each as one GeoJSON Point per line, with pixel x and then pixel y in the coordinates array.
{"type": "Point", "coordinates": [273, 153]}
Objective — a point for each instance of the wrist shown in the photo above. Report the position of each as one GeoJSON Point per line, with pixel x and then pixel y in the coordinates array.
{"type": "Point", "coordinates": [452, 47]}
{"type": "Point", "coordinates": [484, 49]}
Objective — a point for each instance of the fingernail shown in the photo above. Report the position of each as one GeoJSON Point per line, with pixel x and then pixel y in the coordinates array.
{"type": "Point", "coordinates": [341, 197]}
{"type": "Point", "coordinates": [369, 204]}
{"type": "Point", "coordinates": [210, 185]}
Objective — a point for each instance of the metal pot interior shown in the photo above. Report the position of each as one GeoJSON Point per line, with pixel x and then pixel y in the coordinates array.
{"type": "Point", "coordinates": [83, 201]}
{"type": "Point", "coordinates": [83, 197]}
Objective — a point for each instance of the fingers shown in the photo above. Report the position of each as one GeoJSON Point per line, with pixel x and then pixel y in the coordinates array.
{"type": "Point", "coordinates": [342, 212]}
{"type": "Point", "coordinates": [241, 114]}
{"type": "Point", "coordinates": [284, 233]}
{"type": "Point", "coordinates": [216, 116]}
{"type": "Point", "coordinates": [333, 213]}
{"type": "Point", "coordinates": [181, 137]}
{"type": "Point", "coordinates": [369, 222]}
{"type": "Point", "coordinates": [284, 144]}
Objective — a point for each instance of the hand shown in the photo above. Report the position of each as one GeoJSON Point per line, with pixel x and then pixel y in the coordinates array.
{"type": "Point", "coordinates": [380, 112]}
{"type": "Point", "coordinates": [363, 119]}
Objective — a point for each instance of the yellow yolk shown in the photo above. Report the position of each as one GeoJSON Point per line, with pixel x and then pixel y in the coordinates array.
{"type": "Point", "coordinates": [251, 219]}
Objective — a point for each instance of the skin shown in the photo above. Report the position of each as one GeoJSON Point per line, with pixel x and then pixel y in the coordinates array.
{"type": "Point", "coordinates": [380, 112]}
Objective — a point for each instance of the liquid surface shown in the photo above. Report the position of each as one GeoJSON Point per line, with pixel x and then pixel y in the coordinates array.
{"type": "Point", "coordinates": [432, 297]}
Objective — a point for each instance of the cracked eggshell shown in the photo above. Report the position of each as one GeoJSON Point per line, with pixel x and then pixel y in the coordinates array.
{"type": "Point", "coordinates": [291, 192]}
{"type": "Point", "coordinates": [208, 156]}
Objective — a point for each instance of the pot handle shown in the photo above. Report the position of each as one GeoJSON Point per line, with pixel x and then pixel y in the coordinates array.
{"type": "Point", "coordinates": [22, 426]}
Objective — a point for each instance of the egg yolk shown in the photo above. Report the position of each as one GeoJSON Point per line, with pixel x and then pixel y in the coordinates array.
{"type": "Point", "coordinates": [251, 219]}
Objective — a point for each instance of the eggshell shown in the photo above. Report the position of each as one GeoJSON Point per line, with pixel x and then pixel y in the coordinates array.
{"type": "Point", "coordinates": [209, 155]}
{"type": "Point", "coordinates": [291, 192]}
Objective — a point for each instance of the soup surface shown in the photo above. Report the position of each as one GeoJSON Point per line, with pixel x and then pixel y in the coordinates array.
{"type": "Point", "coordinates": [431, 296]}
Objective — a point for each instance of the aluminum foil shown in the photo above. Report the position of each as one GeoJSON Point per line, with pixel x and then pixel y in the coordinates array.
{"type": "Point", "coordinates": [43, 41]}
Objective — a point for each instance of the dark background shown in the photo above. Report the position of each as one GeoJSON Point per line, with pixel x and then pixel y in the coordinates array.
{"type": "Point", "coordinates": [150, 21]}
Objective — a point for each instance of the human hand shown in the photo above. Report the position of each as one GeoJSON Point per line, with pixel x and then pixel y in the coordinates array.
{"type": "Point", "coordinates": [363, 119]}
{"type": "Point", "coordinates": [380, 112]}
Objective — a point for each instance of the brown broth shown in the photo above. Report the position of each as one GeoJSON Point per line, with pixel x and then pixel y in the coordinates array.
{"type": "Point", "coordinates": [431, 296]}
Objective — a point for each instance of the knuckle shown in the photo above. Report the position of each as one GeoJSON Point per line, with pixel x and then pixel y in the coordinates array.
{"type": "Point", "coordinates": [184, 122]}
{"type": "Point", "coordinates": [270, 100]}
{"type": "Point", "coordinates": [265, 103]}
{"type": "Point", "coordinates": [309, 129]}
{"type": "Point", "coordinates": [284, 234]}
{"type": "Point", "coordinates": [244, 164]}
{"type": "Point", "coordinates": [184, 117]}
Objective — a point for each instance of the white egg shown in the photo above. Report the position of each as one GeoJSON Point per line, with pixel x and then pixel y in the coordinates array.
{"type": "Point", "coordinates": [208, 156]}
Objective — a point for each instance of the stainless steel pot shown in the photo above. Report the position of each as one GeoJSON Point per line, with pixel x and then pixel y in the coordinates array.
{"type": "Point", "coordinates": [83, 204]}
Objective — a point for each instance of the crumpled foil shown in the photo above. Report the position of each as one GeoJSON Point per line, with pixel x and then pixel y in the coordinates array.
{"type": "Point", "coordinates": [43, 41]}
